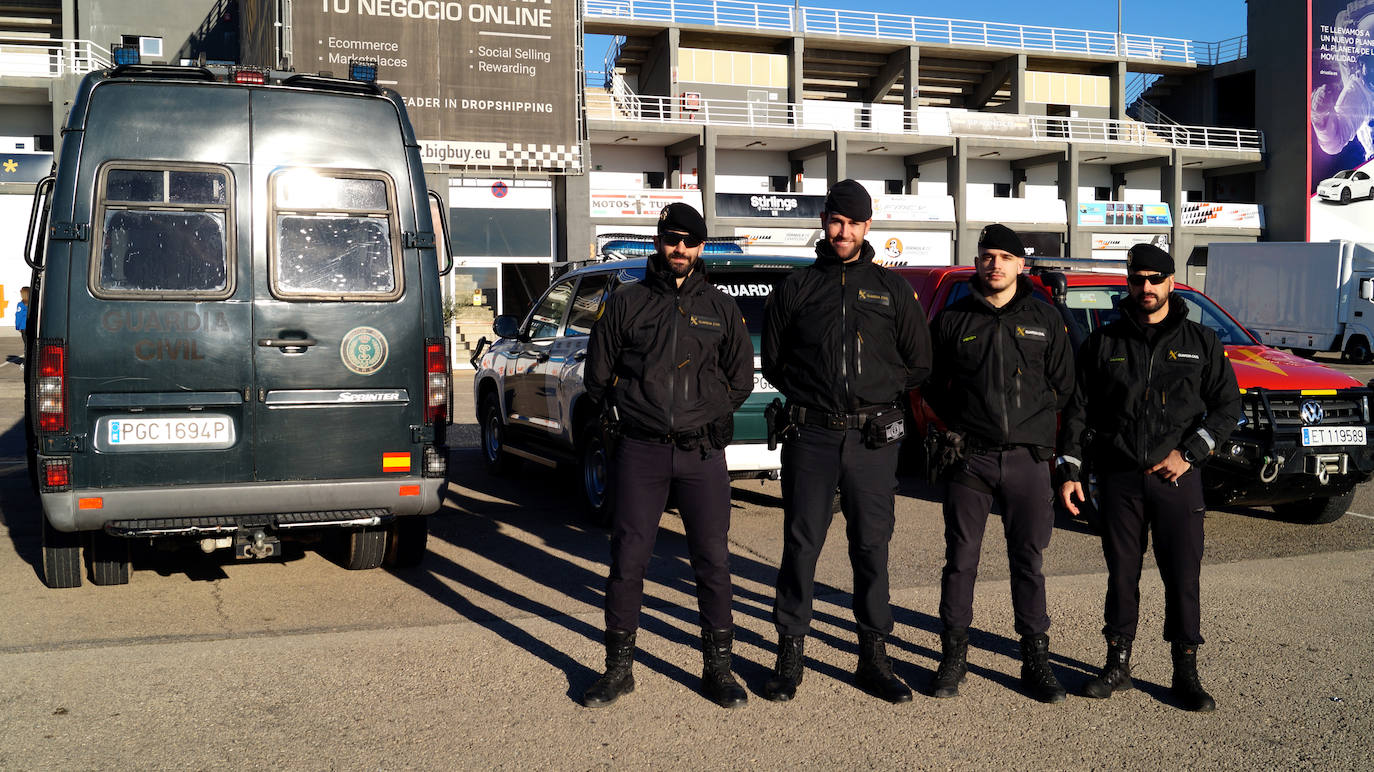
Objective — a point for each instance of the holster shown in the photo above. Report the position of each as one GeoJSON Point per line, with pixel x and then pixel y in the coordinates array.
{"type": "Point", "coordinates": [950, 452]}
{"type": "Point", "coordinates": [610, 427]}
{"type": "Point", "coordinates": [778, 420]}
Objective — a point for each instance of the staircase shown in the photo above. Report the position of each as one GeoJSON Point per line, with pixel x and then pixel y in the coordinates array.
{"type": "Point", "coordinates": [469, 324]}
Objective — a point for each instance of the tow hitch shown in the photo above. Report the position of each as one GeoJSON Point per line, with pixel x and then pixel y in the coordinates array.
{"type": "Point", "coordinates": [1323, 465]}
{"type": "Point", "coordinates": [255, 544]}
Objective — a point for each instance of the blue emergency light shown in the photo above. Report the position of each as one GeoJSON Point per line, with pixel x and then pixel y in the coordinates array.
{"type": "Point", "coordinates": [122, 54]}
{"type": "Point", "coordinates": [364, 70]}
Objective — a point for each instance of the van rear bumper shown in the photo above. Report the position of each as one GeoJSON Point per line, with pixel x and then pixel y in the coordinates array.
{"type": "Point", "coordinates": [752, 459]}
{"type": "Point", "coordinates": [267, 498]}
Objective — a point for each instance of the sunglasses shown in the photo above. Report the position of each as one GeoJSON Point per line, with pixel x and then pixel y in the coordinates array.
{"type": "Point", "coordinates": [1139, 279]}
{"type": "Point", "coordinates": [673, 239]}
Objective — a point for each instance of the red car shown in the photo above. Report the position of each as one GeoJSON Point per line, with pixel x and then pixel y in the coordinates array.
{"type": "Point", "coordinates": [1302, 443]}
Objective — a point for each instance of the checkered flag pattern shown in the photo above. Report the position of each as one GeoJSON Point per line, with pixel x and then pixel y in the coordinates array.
{"type": "Point", "coordinates": [543, 156]}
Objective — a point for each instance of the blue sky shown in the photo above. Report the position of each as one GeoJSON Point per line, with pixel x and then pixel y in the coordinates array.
{"type": "Point", "coordinates": [1204, 20]}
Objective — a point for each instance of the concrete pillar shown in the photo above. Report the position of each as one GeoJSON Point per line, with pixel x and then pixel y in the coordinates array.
{"type": "Point", "coordinates": [1018, 183]}
{"type": "Point", "coordinates": [1171, 190]}
{"type": "Point", "coordinates": [836, 165]}
{"type": "Point", "coordinates": [911, 86]}
{"type": "Point", "coordinates": [1079, 244]}
{"type": "Point", "coordinates": [706, 176]}
{"type": "Point", "coordinates": [674, 171]}
{"type": "Point", "coordinates": [1116, 75]}
{"type": "Point", "coordinates": [797, 171]}
{"type": "Point", "coordinates": [1017, 84]}
{"type": "Point", "coordinates": [794, 76]}
{"type": "Point", "coordinates": [1118, 186]}
{"type": "Point", "coordinates": [956, 183]}
{"type": "Point", "coordinates": [911, 179]}
{"type": "Point", "coordinates": [573, 238]}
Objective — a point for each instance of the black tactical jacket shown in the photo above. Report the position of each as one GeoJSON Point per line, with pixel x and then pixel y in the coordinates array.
{"type": "Point", "coordinates": [1001, 374]}
{"type": "Point", "coordinates": [1142, 401]}
{"type": "Point", "coordinates": [840, 337]}
{"type": "Point", "coordinates": [671, 359]}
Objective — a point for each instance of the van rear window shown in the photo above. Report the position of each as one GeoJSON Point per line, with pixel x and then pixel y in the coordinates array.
{"type": "Point", "coordinates": [334, 236]}
{"type": "Point", "coordinates": [164, 232]}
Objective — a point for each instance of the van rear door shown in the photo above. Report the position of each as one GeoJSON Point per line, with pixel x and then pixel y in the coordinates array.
{"type": "Point", "coordinates": [338, 344]}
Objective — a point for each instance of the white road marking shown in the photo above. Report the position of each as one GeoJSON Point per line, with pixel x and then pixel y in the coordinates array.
{"type": "Point", "coordinates": [1357, 514]}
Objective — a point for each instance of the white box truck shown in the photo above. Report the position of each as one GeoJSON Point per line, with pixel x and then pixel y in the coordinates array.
{"type": "Point", "coordinates": [1299, 295]}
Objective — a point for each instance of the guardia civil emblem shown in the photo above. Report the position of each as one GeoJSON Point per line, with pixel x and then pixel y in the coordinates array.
{"type": "Point", "coordinates": [363, 350]}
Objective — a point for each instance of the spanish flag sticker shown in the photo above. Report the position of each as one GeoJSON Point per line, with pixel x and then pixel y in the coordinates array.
{"type": "Point", "coordinates": [396, 462]}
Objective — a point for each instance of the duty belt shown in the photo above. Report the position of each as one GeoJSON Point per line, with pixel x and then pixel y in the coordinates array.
{"type": "Point", "coordinates": [835, 421]}
{"type": "Point", "coordinates": [667, 438]}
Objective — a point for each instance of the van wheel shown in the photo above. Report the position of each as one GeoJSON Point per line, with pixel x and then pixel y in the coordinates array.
{"type": "Point", "coordinates": [1327, 509]}
{"type": "Point", "coordinates": [598, 495]}
{"type": "Point", "coordinates": [407, 542]}
{"type": "Point", "coordinates": [366, 548]}
{"type": "Point", "coordinates": [1356, 351]}
{"type": "Point", "coordinates": [493, 429]}
{"type": "Point", "coordinates": [61, 557]}
{"type": "Point", "coordinates": [109, 556]}
{"type": "Point", "coordinates": [1305, 353]}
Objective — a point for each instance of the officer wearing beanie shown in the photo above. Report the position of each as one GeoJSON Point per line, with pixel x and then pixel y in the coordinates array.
{"type": "Point", "coordinates": [670, 360]}
{"type": "Point", "coordinates": [844, 339]}
{"type": "Point", "coordinates": [1156, 395]}
{"type": "Point", "coordinates": [1003, 371]}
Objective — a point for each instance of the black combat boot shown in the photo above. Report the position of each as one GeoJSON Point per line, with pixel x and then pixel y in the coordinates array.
{"type": "Point", "coordinates": [1187, 686]}
{"type": "Point", "coordinates": [618, 680]}
{"type": "Point", "coordinates": [717, 683]}
{"type": "Point", "coordinates": [953, 663]}
{"type": "Point", "coordinates": [1116, 674]}
{"type": "Point", "coordinates": [1036, 674]}
{"type": "Point", "coordinates": [787, 674]}
{"type": "Point", "coordinates": [874, 674]}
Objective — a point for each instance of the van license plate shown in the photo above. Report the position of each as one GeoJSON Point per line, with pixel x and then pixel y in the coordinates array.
{"type": "Point", "coordinates": [216, 431]}
{"type": "Point", "coordinates": [761, 384]}
{"type": "Point", "coordinates": [1333, 435]}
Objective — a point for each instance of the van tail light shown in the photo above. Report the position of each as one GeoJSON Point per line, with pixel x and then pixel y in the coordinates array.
{"type": "Point", "coordinates": [250, 75]}
{"type": "Point", "coordinates": [436, 382]}
{"type": "Point", "coordinates": [52, 386]}
{"type": "Point", "coordinates": [57, 475]}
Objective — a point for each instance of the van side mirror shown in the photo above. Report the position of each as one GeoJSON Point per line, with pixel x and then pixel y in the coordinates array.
{"type": "Point", "coordinates": [1366, 289]}
{"type": "Point", "coordinates": [440, 224]}
{"type": "Point", "coordinates": [506, 326]}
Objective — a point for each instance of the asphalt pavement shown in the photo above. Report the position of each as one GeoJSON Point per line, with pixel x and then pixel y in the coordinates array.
{"type": "Point", "coordinates": [476, 658]}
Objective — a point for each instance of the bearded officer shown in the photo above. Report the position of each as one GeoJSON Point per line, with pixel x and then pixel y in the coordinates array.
{"type": "Point", "coordinates": [1003, 370]}
{"type": "Point", "coordinates": [844, 339]}
{"type": "Point", "coordinates": [671, 358]}
{"type": "Point", "coordinates": [1157, 395]}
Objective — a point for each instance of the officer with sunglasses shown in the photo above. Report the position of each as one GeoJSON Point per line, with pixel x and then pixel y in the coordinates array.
{"type": "Point", "coordinates": [670, 360]}
{"type": "Point", "coordinates": [844, 339]}
{"type": "Point", "coordinates": [1156, 395]}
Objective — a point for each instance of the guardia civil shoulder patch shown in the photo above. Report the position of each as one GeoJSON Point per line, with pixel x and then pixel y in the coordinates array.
{"type": "Point", "coordinates": [363, 350]}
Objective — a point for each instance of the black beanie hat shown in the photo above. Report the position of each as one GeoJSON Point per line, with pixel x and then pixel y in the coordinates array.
{"type": "Point", "coordinates": [999, 236]}
{"type": "Point", "coordinates": [850, 199]}
{"type": "Point", "coordinates": [1148, 257]}
{"type": "Point", "coordinates": [682, 217]}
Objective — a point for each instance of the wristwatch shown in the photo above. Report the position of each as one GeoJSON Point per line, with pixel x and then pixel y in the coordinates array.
{"type": "Point", "coordinates": [1188, 456]}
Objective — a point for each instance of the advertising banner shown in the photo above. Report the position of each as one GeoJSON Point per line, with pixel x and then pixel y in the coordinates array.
{"type": "Point", "coordinates": [1121, 213]}
{"type": "Point", "coordinates": [1209, 215]}
{"type": "Point", "coordinates": [489, 85]}
{"type": "Point", "coordinates": [640, 203]}
{"type": "Point", "coordinates": [791, 205]}
{"type": "Point", "coordinates": [24, 167]}
{"type": "Point", "coordinates": [913, 208]}
{"type": "Point", "coordinates": [770, 238]}
{"type": "Point", "coordinates": [1032, 211]}
{"type": "Point", "coordinates": [894, 248]}
{"type": "Point", "coordinates": [1117, 244]}
{"type": "Point", "coordinates": [1340, 106]}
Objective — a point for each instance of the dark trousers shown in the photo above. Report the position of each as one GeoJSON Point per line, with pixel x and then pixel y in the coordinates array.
{"type": "Point", "coordinates": [645, 471]}
{"type": "Point", "coordinates": [813, 465]}
{"type": "Point", "coordinates": [1131, 503]}
{"type": "Point", "coordinates": [1021, 485]}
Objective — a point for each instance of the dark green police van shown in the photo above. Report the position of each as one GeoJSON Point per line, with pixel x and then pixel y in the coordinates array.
{"type": "Point", "coordinates": [237, 325]}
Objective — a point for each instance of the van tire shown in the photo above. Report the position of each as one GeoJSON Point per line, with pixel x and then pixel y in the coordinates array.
{"type": "Point", "coordinates": [1356, 351]}
{"type": "Point", "coordinates": [61, 557]}
{"type": "Point", "coordinates": [595, 473]}
{"type": "Point", "coordinates": [407, 542]}
{"type": "Point", "coordinates": [1305, 353]}
{"type": "Point", "coordinates": [365, 548]}
{"type": "Point", "coordinates": [109, 559]}
{"type": "Point", "coordinates": [498, 461]}
{"type": "Point", "coordinates": [1327, 509]}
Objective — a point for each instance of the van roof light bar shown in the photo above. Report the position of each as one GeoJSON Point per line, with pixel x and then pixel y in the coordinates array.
{"type": "Point", "coordinates": [362, 70]}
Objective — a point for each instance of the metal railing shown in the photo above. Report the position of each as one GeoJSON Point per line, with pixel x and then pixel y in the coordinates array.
{"type": "Point", "coordinates": [926, 29]}
{"type": "Point", "coordinates": [1138, 84]}
{"type": "Point", "coordinates": [1228, 50]}
{"type": "Point", "coordinates": [50, 58]}
{"type": "Point", "coordinates": [1147, 113]}
{"type": "Point", "coordinates": [892, 119]}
